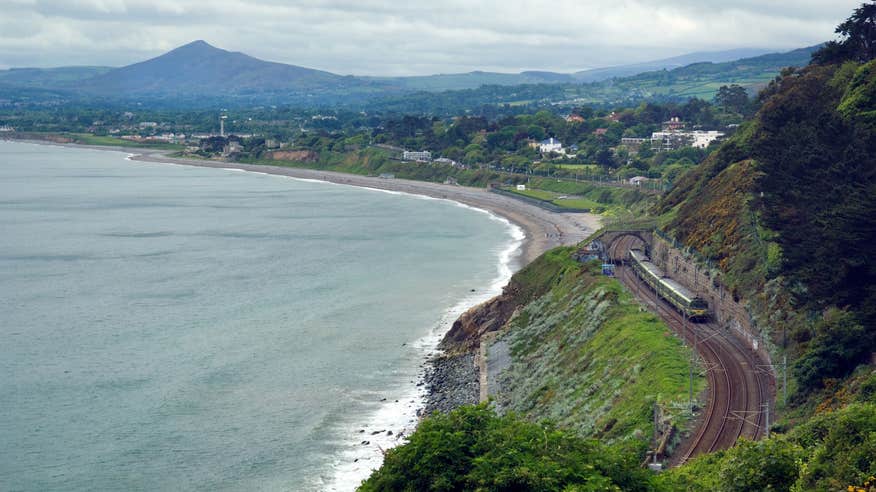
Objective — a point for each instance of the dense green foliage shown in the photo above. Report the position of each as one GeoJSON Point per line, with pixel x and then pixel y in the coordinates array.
{"type": "Point", "coordinates": [751, 466]}
{"type": "Point", "coordinates": [836, 346]}
{"type": "Point", "coordinates": [474, 449]}
{"type": "Point", "coordinates": [501, 141]}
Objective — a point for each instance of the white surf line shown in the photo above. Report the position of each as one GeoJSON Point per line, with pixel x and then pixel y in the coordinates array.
{"type": "Point", "coordinates": [357, 464]}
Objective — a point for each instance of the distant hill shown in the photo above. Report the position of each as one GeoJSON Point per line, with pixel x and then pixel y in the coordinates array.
{"type": "Point", "coordinates": [201, 69]}
{"type": "Point", "coordinates": [704, 79]}
{"type": "Point", "coordinates": [600, 74]}
{"type": "Point", "coordinates": [473, 80]}
{"type": "Point", "coordinates": [701, 80]}
{"type": "Point", "coordinates": [49, 77]}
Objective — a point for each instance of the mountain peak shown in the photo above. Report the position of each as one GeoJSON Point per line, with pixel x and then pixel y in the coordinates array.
{"type": "Point", "coordinates": [203, 69]}
{"type": "Point", "coordinates": [197, 46]}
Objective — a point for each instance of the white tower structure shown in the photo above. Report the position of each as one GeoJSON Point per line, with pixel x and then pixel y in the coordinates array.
{"type": "Point", "coordinates": [222, 125]}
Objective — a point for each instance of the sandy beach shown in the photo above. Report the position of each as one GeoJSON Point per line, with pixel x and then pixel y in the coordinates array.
{"type": "Point", "coordinates": [544, 229]}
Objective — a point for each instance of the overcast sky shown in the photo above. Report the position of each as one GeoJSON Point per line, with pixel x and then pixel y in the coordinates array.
{"type": "Point", "coordinates": [386, 37]}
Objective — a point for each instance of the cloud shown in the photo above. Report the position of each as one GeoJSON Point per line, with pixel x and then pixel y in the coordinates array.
{"type": "Point", "coordinates": [381, 37]}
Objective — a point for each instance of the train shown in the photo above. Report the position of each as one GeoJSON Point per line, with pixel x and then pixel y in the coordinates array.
{"type": "Point", "coordinates": [693, 307]}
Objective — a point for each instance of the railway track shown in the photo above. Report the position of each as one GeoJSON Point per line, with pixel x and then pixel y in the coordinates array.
{"type": "Point", "coordinates": [738, 389]}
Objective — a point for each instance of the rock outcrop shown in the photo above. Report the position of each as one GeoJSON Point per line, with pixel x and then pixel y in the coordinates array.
{"type": "Point", "coordinates": [490, 316]}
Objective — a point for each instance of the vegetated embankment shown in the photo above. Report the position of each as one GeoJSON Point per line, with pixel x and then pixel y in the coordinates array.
{"type": "Point", "coordinates": [576, 348]}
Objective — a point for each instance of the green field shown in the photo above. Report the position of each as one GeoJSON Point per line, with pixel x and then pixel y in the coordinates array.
{"type": "Point", "coordinates": [88, 139]}
{"type": "Point", "coordinates": [563, 201]}
{"type": "Point", "coordinates": [579, 167]}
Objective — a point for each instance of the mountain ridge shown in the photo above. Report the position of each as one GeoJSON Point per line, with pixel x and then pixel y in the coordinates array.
{"type": "Point", "coordinates": [198, 73]}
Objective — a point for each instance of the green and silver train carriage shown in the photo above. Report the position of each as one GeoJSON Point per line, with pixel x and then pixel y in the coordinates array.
{"type": "Point", "coordinates": [692, 306]}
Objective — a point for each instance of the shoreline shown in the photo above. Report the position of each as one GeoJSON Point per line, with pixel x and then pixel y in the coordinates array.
{"type": "Point", "coordinates": [543, 229]}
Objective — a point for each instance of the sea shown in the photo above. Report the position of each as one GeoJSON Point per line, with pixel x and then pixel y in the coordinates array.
{"type": "Point", "coordinates": [168, 327]}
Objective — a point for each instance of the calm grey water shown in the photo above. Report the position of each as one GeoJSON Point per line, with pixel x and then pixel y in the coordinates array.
{"type": "Point", "coordinates": [179, 328]}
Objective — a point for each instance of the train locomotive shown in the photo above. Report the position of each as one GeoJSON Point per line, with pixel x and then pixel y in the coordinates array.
{"type": "Point", "coordinates": [686, 302]}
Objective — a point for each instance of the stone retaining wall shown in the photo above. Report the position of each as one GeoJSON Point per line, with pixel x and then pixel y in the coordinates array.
{"type": "Point", "coordinates": [725, 310]}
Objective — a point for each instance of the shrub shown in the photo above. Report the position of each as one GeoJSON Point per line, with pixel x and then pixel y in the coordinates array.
{"type": "Point", "coordinates": [474, 449]}
{"type": "Point", "coordinates": [839, 344]}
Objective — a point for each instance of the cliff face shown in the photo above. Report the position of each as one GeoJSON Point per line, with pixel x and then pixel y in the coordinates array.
{"type": "Point", "coordinates": [531, 282]}
{"type": "Point", "coordinates": [490, 316]}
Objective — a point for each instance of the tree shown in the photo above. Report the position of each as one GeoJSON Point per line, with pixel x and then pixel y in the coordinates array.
{"type": "Point", "coordinates": [840, 344]}
{"type": "Point", "coordinates": [732, 98]}
{"type": "Point", "coordinates": [605, 159]}
{"type": "Point", "coordinates": [859, 38]}
{"type": "Point", "coordinates": [860, 32]}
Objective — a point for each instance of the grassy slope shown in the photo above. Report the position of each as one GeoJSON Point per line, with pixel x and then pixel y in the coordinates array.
{"type": "Point", "coordinates": [586, 356]}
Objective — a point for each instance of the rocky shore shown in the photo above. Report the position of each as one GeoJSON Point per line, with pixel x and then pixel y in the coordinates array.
{"type": "Point", "coordinates": [451, 381]}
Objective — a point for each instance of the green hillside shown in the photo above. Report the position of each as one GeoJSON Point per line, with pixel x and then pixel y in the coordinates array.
{"type": "Point", "coordinates": [700, 80]}
{"type": "Point", "coordinates": [586, 356]}
{"type": "Point", "coordinates": [786, 209]}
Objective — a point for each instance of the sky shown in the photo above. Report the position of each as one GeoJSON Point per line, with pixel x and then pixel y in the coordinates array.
{"type": "Point", "coordinates": [395, 37]}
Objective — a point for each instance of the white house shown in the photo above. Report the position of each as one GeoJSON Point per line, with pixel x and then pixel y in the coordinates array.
{"type": "Point", "coordinates": [419, 156]}
{"type": "Point", "coordinates": [703, 139]}
{"type": "Point", "coordinates": [550, 145]}
{"type": "Point", "coordinates": [232, 147]}
{"type": "Point", "coordinates": [676, 139]}
{"type": "Point", "coordinates": [444, 160]}
{"type": "Point", "coordinates": [638, 180]}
